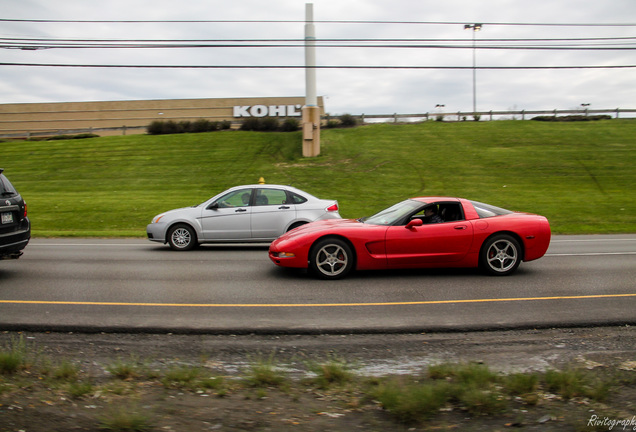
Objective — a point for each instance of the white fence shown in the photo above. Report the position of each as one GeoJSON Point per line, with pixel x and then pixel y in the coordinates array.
{"type": "Point", "coordinates": [491, 115]}
{"type": "Point", "coordinates": [366, 118]}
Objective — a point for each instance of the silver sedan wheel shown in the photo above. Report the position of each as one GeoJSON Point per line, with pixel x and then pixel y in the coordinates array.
{"type": "Point", "coordinates": [182, 238]}
{"type": "Point", "coordinates": [331, 259]}
{"type": "Point", "coordinates": [502, 255]}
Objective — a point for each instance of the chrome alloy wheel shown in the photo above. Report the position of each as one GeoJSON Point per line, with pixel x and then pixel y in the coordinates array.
{"type": "Point", "coordinates": [502, 256]}
{"type": "Point", "coordinates": [331, 259]}
{"type": "Point", "coordinates": [182, 238]}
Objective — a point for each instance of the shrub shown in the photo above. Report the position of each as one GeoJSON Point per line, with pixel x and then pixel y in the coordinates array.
{"type": "Point", "coordinates": [290, 125]}
{"type": "Point", "coordinates": [155, 128]}
{"type": "Point", "coordinates": [79, 389]}
{"type": "Point", "coordinates": [412, 402]}
{"type": "Point", "coordinates": [14, 357]}
{"type": "Point", "coordinates": [77, 136]}
{"type": "Point", "coordinates": [170, 127]}
{"type": "Point", "coordinates": [184, 126]}
{"type": "Point", "coordinates": [333, 372]}
{"type": "Point", "coordinates": [347, 120]}
{"type": "Point", "coordinates": [10, 362]}
{"type": "Point", "coordinates": [263, 373]}
{"type": "Point", "coordinates": [568, 383]}
{"type": "Point", "coordinates": [124, 370]}
{"type": "Point", "coordinates": [123, 418]}
{"type": "Point", "coordinates": [480, 401]}
{"type": "Point", "coordinates": [570, 118]}
{"type": "Point", "coordinates": [200, 125]}
{"type": "Point", "coordinates": [269, 124]}
{"type": "Point", "coordinates": [572, 383]}
{"type": "Point", "coordinates": [521, 383]}
{"type": "Point", "coordinates": [251, 124]}
{"type": "Point", "coordinates": [181, 377]}
{"type": "Point", "coordinates": [66, 371]}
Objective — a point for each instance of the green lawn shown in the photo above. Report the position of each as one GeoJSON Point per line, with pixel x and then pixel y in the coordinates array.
{"type": "Point", "coordinates": [580, 175]}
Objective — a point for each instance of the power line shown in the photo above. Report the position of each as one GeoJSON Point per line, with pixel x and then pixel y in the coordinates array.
{"type": "Point", "coordinates": [591, 39]}
{"type": "Point", "coordinates": [618, 43]}
{"type": "Point", "coordinates": [53, 21]}
{"type": "Point", "coordinates": [27, 47]}
{"type": "Point", "coordinates": [316, 67]}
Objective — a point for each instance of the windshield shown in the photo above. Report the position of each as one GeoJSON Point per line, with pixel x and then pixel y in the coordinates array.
{"type": "Point", "coordinates": [394, 214]}
{"type": "Point", "coordinates": [6, 188]}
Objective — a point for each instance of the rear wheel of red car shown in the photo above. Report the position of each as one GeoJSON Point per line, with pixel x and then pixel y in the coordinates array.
{"type": "Point", "coordinates": [331, 258]}
{"type": "Point", "coordinates": [182, 237]}
{"type": "Point", "coordinates": [500, 255]}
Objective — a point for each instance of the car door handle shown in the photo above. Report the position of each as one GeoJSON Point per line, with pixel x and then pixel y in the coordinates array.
{"type": "Point", "coordinates": [240, 210]}
{"type": "Point", "coordinates": [460, 227]}
{"type": "Point", "coordinates": [283, 208]}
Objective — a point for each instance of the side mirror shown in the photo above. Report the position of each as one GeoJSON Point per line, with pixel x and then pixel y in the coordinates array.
{"type": "Point", "coordinates": [213, 206]}
{"type": "Point", "coordinates": [414, 223]}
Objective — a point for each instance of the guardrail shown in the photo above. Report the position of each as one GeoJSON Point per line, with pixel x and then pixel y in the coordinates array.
{"type": "Point", "coordinates": [490, 115]}
{"type": "Point", "coordinates": [363, 118]}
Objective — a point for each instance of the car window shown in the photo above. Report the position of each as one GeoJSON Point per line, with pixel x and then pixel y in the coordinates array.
{"type": "Point", "coordinates": [428, 215]}
{"type": "Point", "coordinates": [6, 188]}
{"type": "Point", "coordinates": [487, 210]}
{"type": "Point", "coordinates": [396, 214]}
{"type": "Point", "coordinates": [296, 199]}
{"type": "Point", "coordinates": [270, 197]}
{"type": "Point", "coordinates": [451, 212]}
{"type": "Point", "coordinates": [238, 198]}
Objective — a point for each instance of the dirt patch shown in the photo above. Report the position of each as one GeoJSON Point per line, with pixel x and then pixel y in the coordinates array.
{"type": "Point", "coordinates": [29, 402]}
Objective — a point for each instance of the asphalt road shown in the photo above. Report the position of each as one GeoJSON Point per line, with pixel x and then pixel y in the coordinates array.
{"type": "Point", "coordinates": [111, 285]}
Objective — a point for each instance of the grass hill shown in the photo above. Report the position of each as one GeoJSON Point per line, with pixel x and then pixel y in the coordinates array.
{"type": "Point", "coordinates": [580, 175]}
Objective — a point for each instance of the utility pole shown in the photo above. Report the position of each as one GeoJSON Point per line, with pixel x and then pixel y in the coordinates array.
{"type": "Point", "coordinates": [311, 110]}
{"type": "Point", "coordinates": [475, 28]}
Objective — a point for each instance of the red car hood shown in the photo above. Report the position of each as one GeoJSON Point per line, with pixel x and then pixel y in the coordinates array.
{"type": "Point", "coordinates": [320, 225]}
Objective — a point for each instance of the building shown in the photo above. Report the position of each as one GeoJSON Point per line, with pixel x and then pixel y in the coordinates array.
{"type": "Point", "coordinates": [24, 120]}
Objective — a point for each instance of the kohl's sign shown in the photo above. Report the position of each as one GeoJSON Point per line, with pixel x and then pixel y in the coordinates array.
{"type": "Point", "coordinates": [268, 111]}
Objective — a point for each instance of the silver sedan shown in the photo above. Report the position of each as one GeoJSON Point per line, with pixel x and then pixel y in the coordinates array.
{"type": "Point", "coordinates": [250, 213]}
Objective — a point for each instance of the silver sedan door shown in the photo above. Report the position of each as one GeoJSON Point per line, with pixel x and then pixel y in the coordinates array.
{"type": "Point", "coordinates": [271, 213]}
{"type": "Point", "coordinates": [228, 218]}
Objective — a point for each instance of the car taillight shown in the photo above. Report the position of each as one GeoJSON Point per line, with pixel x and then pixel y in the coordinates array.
{"type": "Point", "coordinates": [25, 209]}
{"type": "Point", "coordinates": [332, 208]}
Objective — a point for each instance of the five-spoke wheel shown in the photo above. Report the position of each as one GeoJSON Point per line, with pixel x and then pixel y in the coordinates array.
{"type": "Point", "coordinates": [500, 255]}
{"type": "Point", "coordinates": [331, 258]}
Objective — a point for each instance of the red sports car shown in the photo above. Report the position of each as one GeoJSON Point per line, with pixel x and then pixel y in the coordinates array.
{"type": "Point", "coordinates": [420, 232]}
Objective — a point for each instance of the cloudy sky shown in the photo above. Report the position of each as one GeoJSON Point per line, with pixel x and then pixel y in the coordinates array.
{"type": "Point", "coordinates": [402, 32]}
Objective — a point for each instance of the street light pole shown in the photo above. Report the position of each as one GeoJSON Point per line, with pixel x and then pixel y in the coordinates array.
{"type": "Point", "coordinates": [475, 28]}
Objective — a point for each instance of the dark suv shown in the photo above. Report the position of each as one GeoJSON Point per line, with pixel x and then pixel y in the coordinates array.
{"type": "Point", "coordinates": [15, 228]}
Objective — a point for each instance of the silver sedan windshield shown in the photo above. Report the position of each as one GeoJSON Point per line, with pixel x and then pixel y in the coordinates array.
{"type": "Point", "coordinates": [395, 213]}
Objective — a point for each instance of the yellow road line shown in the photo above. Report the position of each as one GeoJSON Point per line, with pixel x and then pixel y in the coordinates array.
{"type": "Point", "coordinates": [221, 305]}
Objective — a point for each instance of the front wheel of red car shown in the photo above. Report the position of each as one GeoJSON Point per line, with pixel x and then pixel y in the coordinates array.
{"type": "Point", "coordinates": [500, 255]}
{"type": "Point", "coordinates": [331, 259]}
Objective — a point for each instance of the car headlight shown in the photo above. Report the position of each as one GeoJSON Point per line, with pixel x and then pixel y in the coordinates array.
{"type": "Point", "coordinates": [156, 218]}
{"type": "Point", "coordinates": [286, 255]}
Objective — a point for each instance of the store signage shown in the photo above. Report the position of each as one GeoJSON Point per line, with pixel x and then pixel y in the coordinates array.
{"type": "Point", "coordinates": [268, 110]}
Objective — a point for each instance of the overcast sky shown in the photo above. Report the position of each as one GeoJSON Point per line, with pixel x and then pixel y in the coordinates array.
{"type": "Point", "coordinates": [355, 91]}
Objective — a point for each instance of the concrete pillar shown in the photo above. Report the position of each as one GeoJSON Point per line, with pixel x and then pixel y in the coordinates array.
{"type": "Point", "coordinates": [311, 131]}
{"type": "Point", "coordinates": [311, 111]}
